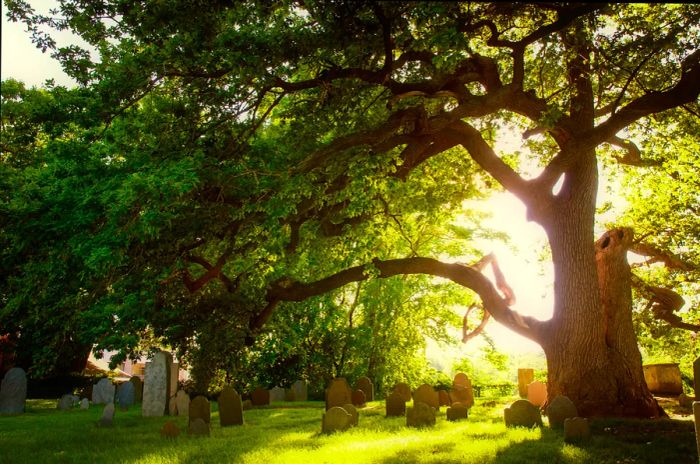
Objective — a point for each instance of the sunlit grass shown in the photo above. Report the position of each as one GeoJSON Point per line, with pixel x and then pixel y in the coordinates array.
{"type": "Point", "coordinates": [290, 433]}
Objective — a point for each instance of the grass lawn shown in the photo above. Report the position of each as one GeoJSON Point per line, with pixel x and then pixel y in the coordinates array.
{"type": "Point", "coordinates": [289, 433]}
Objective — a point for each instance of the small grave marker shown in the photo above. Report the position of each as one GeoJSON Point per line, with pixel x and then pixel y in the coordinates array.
{"type": "Point", "coordinates": [560, 409]}
{"type": "Point", "coordinates": [420, 415]}
{"type": "Point", "coordinates": [336, 419]}
{"type": "Point", "coordinates": [170, 430]}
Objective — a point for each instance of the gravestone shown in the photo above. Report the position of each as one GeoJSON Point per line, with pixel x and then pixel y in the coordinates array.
{"type": "Point", "coordinates": [395, 405]}
{"type": "Point", "coordinates": [457, 412]}
{"type": "Point", "coordinates": [576, 429]}
{"type": "Point", "coordinates": [126, 395]}
{"type": "Point", "coordinates": [103, 392]}
{"type": "Point", "coordinates": [522, 413]}
{"type": "Point", "coordinates": [426, 394]}
{"type": "Point", "coordinates": [65, 403]}
{"type": "Point", "coordinates": [352, 410]}
{"type": "Point", "coordinates": [696, 377]}
{"type": "Point", "coordinates": [84, 403]}
{"type": "Point", "coordinates": [200, 409]}
{"type": "Point", "coordinates": [560, 409]}
{"type": "Point", "coordinates": [358, 398]}
{"type": "Point", "coordinates": [336, 419]}
{"type": "Point", "coordinates": [462, 394]}
{"type": "Point", "coordinates": [663, 378]}
{"type": "Point", "coordinates": [444, 398]}
{"type": "Point", "coordinates": [525, 378]}
{"type": "Point", "coordinates": [13, 391]}
{"type": "Point", "coordinates": [277, 394]}
{"type": "Point", "coordinates": [170, 430]}
{"type": "Point", "coordinates": [138, 388]}
{"type": "Point", "coordinates": [156, 384]}
{"type": "Point", "coordinates": [461, 379]}
{"type": "Point", "coordinates": [198, 427]}
{"type": "Point", "coordinates": [420, 415]}
{"type": "Point", "coordinates": [172, 389]}
{"type": "Point", "coordinates": [404, 390]}
{"type": "Point", "coordinates": [299, 391]}
{"type": "Point", "coordinates": [230, 407]}
{"type": "Point", "coordinates": [365, 384]}
{"type": "Point", "coordinates": [107, 416]}
{"type": "Point", "coordinates": [537, 393]}
{"type": "Point", "coordinates": [338, 393]}
{"type": "Point", "coordinates": [696, 413]}
{"type": "Point", "coordinates": [260, 397]}
{"type": "Point", "coordinates": [247, 405]}
{"type": "Point", "coordinates": [183, 403]}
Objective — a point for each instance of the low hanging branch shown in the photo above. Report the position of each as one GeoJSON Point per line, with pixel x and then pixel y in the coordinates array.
{"type": "Point", "coordinates": [663, 303]}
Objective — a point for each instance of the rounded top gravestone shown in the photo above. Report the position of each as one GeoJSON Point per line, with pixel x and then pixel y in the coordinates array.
{"type": "Point", "coordinates": [427, 394]}
{"type": "Point", "coordinates": [103, 392]}
{"type": "Point", "coordinates": [522, 413]}
{"type": "Point", "coordinates": [560, 409]}
{"type": "Point", "coordinates": [13, 391]}
{"type": "Point", "coordinates": [365, 384]}
{"type": "Point", "coordinates": [404, 390]}
{"type": "Point", "coordinates": [338, 393]}
{"type": "Point", "coordinates": [230, 407]}
{"type": "Point", "coordinates": [126, 395]}
{"type": "Point", "coordinates": [336, 419]}
{"type": "Point", "coordinates": [200, 409]}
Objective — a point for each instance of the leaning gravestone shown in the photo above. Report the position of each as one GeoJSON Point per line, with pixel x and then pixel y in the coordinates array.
{"type": "Point", "coordinates": [156, 384]}
{"type": "Point", "coordinates": [183, 403]}
{"type": "Point", "coordinates": [260, 397]}
{"type": "Point", "coordinates": [230, 407]}
{"type": "Point", "coordinates": [696, 377]}
{"type": "Point", "coordinates": [576, 429]}
{"type": "Point", "coordinates": [138, 388]}
{"type": "Point", "coordinates": [358, 398]}
{"type": "Point", "coordinates": [404, 390]}
{"type": "Point", "coordinates": [13, 391]}
{"type": "Point", "coordinates": [299, 391]}
{"type": "Point", "coordinates": [200, 409]}
{"type": "Point", "coordinates": [457, 412]}
{"type": "Point", "coordinates": [107, 416]}
{"type": "Point", "coordinates": [277, 394]}
{"type": "Point", "coordinates": [336, 419]}
{"type": "Point", "coordinates": [126, 395]}
{"type": "Point", "coordinates": [395, 405]}
{"type": "Point", "coordinates": [338, 393]}
{"type": "Point", "coordinates": [522, 413]}
{"type": "Point", "coordinates": [537, 393]}
{"type": "Point", "coordinates": [420, 415]}
{"type": "Point", "coordinates": [365, 384]}
{"type": "Point", "coordinates": [103, 392]}
{"type": "Point", "coordinates": [65, 403]}
{"type": "Point", "coordinates": [352, 410]}
{"type": "Point", "coordinates": [427, 394]}
{"type": "Point", "coordinates": [525, 378]}
{"type": "Point", "coordinates": [560, 409]}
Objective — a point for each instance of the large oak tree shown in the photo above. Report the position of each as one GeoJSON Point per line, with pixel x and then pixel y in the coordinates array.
{"type": "Point", "coordinates": [254, 149]}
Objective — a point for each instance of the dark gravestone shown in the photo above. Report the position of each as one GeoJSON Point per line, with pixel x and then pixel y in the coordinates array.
{"type": "Point", "coordinates": [260, 397]}
{"type": "Point", "coordinates": [352, 410]}
{"type": "Point", "coordinates": [247, 405]}
{"type": "Point", "coordinates": [696, 378]}
{"type": "Point", "coordinates": [461, 379]}
{"type": "Point", "coordinates": [126, 395]}
{"type": "Point", "coordinates": [365, 384]}
{"type": "Point", "coordinates": [420, 415]}
{"type": "Point", "coordinates": [457, 412]}
{"type": "Point", "coordinates": [404, 390]}
{"type": "Point", "coordinates": [65, 403]}
{"type": "Point", "coordinates": [107, 416]}
{"type": "Point", "coordinates": [338, 393]}
{"type": "Point", "coordinates": [230, 407]}
{"type": "Point", "coordinates": [200, 409]}
{"type": "Point", "coordinates": [427, 394]}
{"type": "Point", "coordinates": [103, 392]}
{"type": "Point", "coordinates": [462, 394]}
{"type": "Point", "coordinates": [522, 413]}
{"type": "Point", "coordinates": [560, 409]}
{"type": "Point", "coordinates": [198, 427]}
{"type": "Point", "coordinates": [444, 398]}
{"type": "Point", "coordinates": [696, 414]}
{"type": "Point", "coordinates": [576, 429]}
{"type": "Point", "coordinates": [336, 419]}
{"type": "Point", "coordinates": [170, 430]}
{"type": "Point", "coordinates": [358, 398]}
{"type": "Point", "coordinates": [395, 405]}
{"type": "Point", "coordinates": [138, 388]}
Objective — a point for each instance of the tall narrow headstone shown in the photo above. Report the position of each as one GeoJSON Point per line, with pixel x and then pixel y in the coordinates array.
{"type": "Point", "coordinates": [537, 393]}
{"type": "Point", "coordinates": [183, 403]}
{"type": "Point", "coordinates": [395, 405]}
{"type": "Point", "coordinates": [156, 384]}
{"type": "Point", "coordinates": [338, 393]}
{"type": "Point", "coordinates": [365, 384]}
{"type": "Point", "coordinates": [427, 394]}
{"type": "Point", "coordinates": [230, 407]}
{"type": "Point", "coordinates": [444, 398]}
{"type": "Point", "coordinates": [138, 388]}
{"type": "Point", "coordinates": [560, 409]}
{"type": "Point", "coordinates": [172, 390]}
{"type": "Point", "coordinates": [696, 413]}
{"type": "Point", "coordinates": [84, 403]}
{"type": "Point", "coordinates": [696, 377]}
{"type": "Point", "coordinates": [103, 392]}
{"type": "Point", "coordinates": [525, 378]}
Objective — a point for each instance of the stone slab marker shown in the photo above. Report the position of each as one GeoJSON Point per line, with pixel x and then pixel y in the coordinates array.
{"type": "Point", "coordinates": [560, 409]}
{"type": "Point", "coordinates": [427, 394]}
{"type": "Point", "coordinates": [126, 395]}
{"type": "Point", "coordinates": [537, 393]}
{"type": "Point", "coordinates": [138, 388]}
{"type": "Point", "coordinates": [522, 413]}
{"type": "Point", "coordinates": [300, 391]}
{"type": "Point", "coordinates": [198, 427]}
{"type": "Point", "coordinates": [260, 397]}
{"type": "Point", "coordinates": [463, 395]}
{"type": "Point", "coordinates": [183, 403]}
{"type": "Point", "coordinates": [156, 384]}
{"type": "Point", "coordinates": [172, 390]}
{"type": "Point", "coordinates": [277, 394]}
{"type": "Point", "coordinates": [358, 398]}
{"type": "Point", "coordinates": [365, 384]}
{"type": "Point", "coordinates": [576, 429]}
{"type": "Point", "coordinates": [696, 377]}
{"type": "Point", "coordinates": [200, 409]}
{"type": "Point", "coordinates": [338, 393]}
{"type": "Point", "coordinates": [404, 390]}
{"type": "Point", "coordinates": [696, 413]}
{"type": "Point", "coordinates": [457, 412]}
{"type": "Point", "coordinates": [352, 410]}
{"type": "Point", "coordinates": [65, 403]}
{"type": "Point", "coordinates": [107, 416]}
{"type": "Point", "coordinates": [103, 392]}
{"type": "Point", "coordinates": [395, 405]}
{"type": "Point", "coordinates": [336, 419]}
{"type": "Point", "coordinates": [444, 398]}
{"type": "Point", "coordinates": [13, 391]}
{"type": "Point", "coordinates": [525, 378]}
{"type": "Point", "coordinates": [420, 415]}
{"type": "Point", "coordinates": [230, 407]}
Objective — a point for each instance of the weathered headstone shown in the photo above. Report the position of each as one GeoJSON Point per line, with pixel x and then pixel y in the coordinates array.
{"type": "Point", "coordinates": [126, 395]}
{"type": "Point", "coordinates": [560, 409]}
{"type": "Point", "coordinates": [352, 410]}
{"type": "Point", "coordinates": [336, 419]}
{"type": "Point", "coordinates": [338, 393]}
{"type": "Point", "coordinates": [457, 412]}
{"type": "Point", "coordinates": [522, 413]}
{"type": "Point", "coordinates": [444, 398]}
{"type": "Point", "coordinates": [525, 378]}
{"type": "Point", "coordinates": [358, 398]}
{"type": "Point", "coordinates": [696, 377]}
{"type": "Point", "coordinates": [537, 393]}
{"type": "Point", "coordinates": [170, 429]}
{"type": "Point", "coordinates": [462, 394]}
{"type": "Point", "coordinates": [663, 378]}
{"type": "Point", "coordinates": [247, 405]}
{"type": "Point", "coordinates": [138, 388]}
{"type": "Point", "coordinates": [696, 413]}
{"type": "Point", "coordinates": [200, 409]}
{"type": "Point", "coordinates": [260, 397]}
{"type": "Point", "coordinates": [198, 427]}
{"type": "Point", "coordinates": [461, 379]}
{"type": "Point", "coordinates": [395, 405]}
{"type": "Point", "coordinates": [277, 394]}
{"type": "Point", "coordinates": [426, 394]}
{"type": "Point", "coordinates": [172, 389]}
{"type": "Point", "coordinates": [404, 390]}
{"type": "Point", "coordinates": [13, 391]}
{"type": "Point", "coordinates": [107, 416]}
{"type": "Point", "coordinates": [420, 415]}
{"type": "Point", "coordinates": [84, 403]}
{"type": "Point", "coordinates": [230, 407]}
{"type": "Point", "coordinates": [183, 403]}
{"type": "Point", "coordinates": [576, 429]}
{"type": "Point", "coordinates": [65, 403]}
{"type": "Point", "coordinates": [299, 391]}
{"type": "Point", "coordinates": [365, 384]}
{"type": "Point", "coordinates": [103, 392]}
{"type": "Point", "coordinates": [156, 384]}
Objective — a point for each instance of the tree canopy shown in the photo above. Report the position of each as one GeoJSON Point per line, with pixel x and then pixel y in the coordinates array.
{"type": "Point", "coordinates": [219, 160]}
